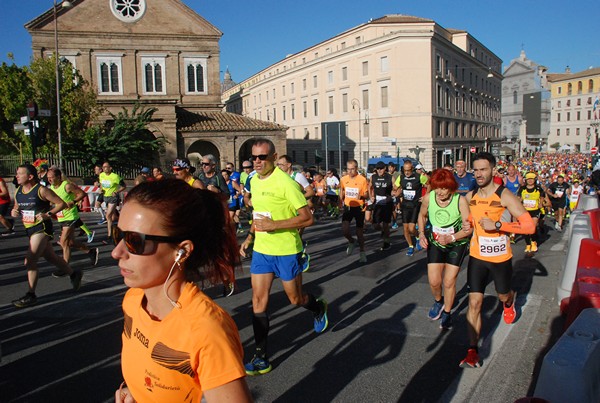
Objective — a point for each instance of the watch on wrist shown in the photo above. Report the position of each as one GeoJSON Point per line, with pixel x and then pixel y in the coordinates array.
{"type": "Point", "coordinates": [498, 225]}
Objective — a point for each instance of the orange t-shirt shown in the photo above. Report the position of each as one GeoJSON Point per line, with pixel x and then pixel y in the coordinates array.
{"type": "Point", "coordinates": [192, 349]}
{"type": "Point", "coordinates": [493, 246]}
{"type": "Point", "coordinates": [320, 187]}
{"type": "Point", "coordinates": [355, 190]}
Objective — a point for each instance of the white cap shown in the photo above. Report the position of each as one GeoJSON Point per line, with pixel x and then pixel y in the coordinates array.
{"type": "Point", "coordinates": [419, 166]}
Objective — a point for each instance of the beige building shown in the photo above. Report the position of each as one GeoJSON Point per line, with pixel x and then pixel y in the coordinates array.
{"type": "Point", "coordinates": [161, 54]}
{"type": "Point", "coordinates": [394, 85]}
{"type": "Point", "coordinates": [575, 115]}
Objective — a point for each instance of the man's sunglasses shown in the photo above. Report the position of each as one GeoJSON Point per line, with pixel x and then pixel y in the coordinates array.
{"type": "Point", "coordinates": [261, 157]}
{"type": "Point", "coordinates": [135, 242]}
{"type": "Point", "coordinates": [247, 167]}
{"type": "Point", "coordinates": [206, 164]}
{"type": "Point", "coordinates": [177, 169]}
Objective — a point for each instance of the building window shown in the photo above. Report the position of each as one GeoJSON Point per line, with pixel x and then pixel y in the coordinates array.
{"type": "Point", "coordinates": [569, 89]}
{"type": "Point", "coordinates": [292, 88]}
{"type": "Point", "coordinates": [438, 63]}
{"type": "Point", "coordinates": [558, 132]}
{"type": "Point", "coordinates": [343, 45]}
{"type": "Point", "coordinates": [330, 102]}
{"type": "Point", "coordinates": [293, 111]}
{"type": "Point", "coordinates": [447, 98]}
{"type": "Point", "coordinates": [578, 101]}
{"type": "Point", "coordinates": [316, 107]}
{"type": "Point", "coordinates": [385, 129]}
{"type": "Point", "coordinates": [365, 68]}
{"type": "Point", "coordinates": [579, 87]}
{"type": "Point", "coordinates": [515, 97]}
{"type": "Point", "coordinates": [568, 131]}
{"type": "Point", "coordinates": [274, 115]}
{"type": "Point", "coordinates": [154, 75]}
{"type": "Point", "coordinates": [305, 156]}
{"type": "Point", "coordinates": [384, 97]}
{"type": "Point", "coordinates": [283, 112]}
{"type": "Point", "coordinates": [384, 65]}
{"type": "Point", "coordinates": [365, 99]}
{"type": "Point", "coordinates": [559, 104]}
{"type": "Point", "coordinates": [558, 117]}
{"type": "Point", "coordinates": [366, 132]}
{"type": "Point", "coordinates": [578, 115]}
{"type": "Point", "coordinates": [344, 102]}
{"type": "Point", "coordinates": [589, 115]}
{"type": "Point", "coordinates": [589, 100]}
{"type": "Point", "coordinates": [109, 73]}
{"type": "Point", "coordinates": [315, 82]}
{"type": "Point", "coordinates": [438, 96]}
{"type": "Point", "coordinates": [304, 84]}
{"type": "Point", "coordinates": [344, 73]}
{"type": "Point", "coordinates": [568, 116]}
{"type": "Point", "coordinates": [577, 132]}
{"type": "Point", "coordinates": [357, 40]}
{"type": "Point", "coordinates": [591, 85]}
{"type": "Point", "coordinates": [196, 75]}
{"type": "Point", "coordinates": [330, 77]}
{"type": "Point", "coordinates": [304, 113]}
{"type": "Point", "coordinates": [274, 94]}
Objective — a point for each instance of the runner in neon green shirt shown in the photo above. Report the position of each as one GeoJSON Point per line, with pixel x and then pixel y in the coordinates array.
{"type": "Point", "coordinates": [112, 185]}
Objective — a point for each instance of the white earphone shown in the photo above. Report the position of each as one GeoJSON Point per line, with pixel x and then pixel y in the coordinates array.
{"type": "Point", "coordinates": [180, 254]}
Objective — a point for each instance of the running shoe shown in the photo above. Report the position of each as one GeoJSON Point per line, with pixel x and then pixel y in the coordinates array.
{"type": "Point", "coordinates": [419, 247]}
{"type": "Point", "coordinates": [395, 225]}
{"type": "Point", "coordinates": [102, 221]}
{"type": "Point", "coordinates": [350, 248]}
{"type": "Point", "coordinates": [28, 299]}
{"type": "Point", "coordinates": [363, 257]}
{"type": "Point", "coordinates": [321, 320]}
{"type": "Point", "coordinates": [512, 238]}
{"type": "Point", "coordinates": [257, 366]}
{"type": "Point", "coordinates": [93, 255]}
{"type": "Point", "coordinates": [410, 251]}
{"type": "Point", "coordinates": [386, 246]}
{"type": "Point", "coordinates": [76, 279]}
{"type": "Point", "coordinates": [534, 247]}
{"type": "Point", "coordinates": [228, 289]}
{"type": "Point", "coordinates": [59, 274]}
{"type": "Point", "coordinates": [527, 248]}
{"type": "Point", "coordinates": [9, 232]}
{"type": "Point", "coordinates": [557, 227]}
{"type": "Point", "coordinates": [90, 237]}
{"type": "Point", "coordinates": [305, 262]}
{"type": "Point", "coordinates": [471, 360]}
{"type": "Point", "coordinates": [436, 310]}
{"type": "Point", "coordinates": [510, 312]}
{"type": "Point", "coordinates": [446, 322]}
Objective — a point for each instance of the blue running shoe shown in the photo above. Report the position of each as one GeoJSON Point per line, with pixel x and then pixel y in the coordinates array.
{"type": "Point", "coordinates": [419, 247]}
{"type": "Point", "coordinates": [305, 262]}
{"type": "Point", "coordinates": [321, 321]}
{"type": "Point", "coordinates": [446, 322]}
{"type": "Point", "coordinates": [410, 251]}
{"type": "Point", "coordinates": [257, 366]}
{"type": "Point", "coordinates": [395, 225]}
{"type": "Point", "coordinates": [436, 310]}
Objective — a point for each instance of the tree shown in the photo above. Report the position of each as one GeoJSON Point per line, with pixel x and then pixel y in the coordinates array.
{"type": "Point", "coordinates": [556, 146]}
{"type": "Point", "coordinates": [15, 92]}
{"type": "Point", "coordinates": [125, 141]}
{"type": "Point", "coordinates": [78, 101]}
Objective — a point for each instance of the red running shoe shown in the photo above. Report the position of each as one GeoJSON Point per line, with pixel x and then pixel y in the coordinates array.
{"type": "Point", "coordinates": [471, 360]}
{"type": "Point", "coordinates": [510, 313]}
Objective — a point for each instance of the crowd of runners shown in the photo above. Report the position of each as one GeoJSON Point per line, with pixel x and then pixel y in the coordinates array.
{"type": "Point", "coordinates": [451, 213]}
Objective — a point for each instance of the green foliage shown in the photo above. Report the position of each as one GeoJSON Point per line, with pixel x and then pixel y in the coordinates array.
{"type": "Point", "coordinates": [556, 146]}
{"type": "Point", "coordinates": [15, 92]}
{"type": "Point", "coordinates": [125, 141]}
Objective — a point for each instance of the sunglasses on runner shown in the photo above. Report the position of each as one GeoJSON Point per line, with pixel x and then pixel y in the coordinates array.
{"type": "Point", "coordinates": [135, 242]}
{"type": "Point", "coordinates": [261, 157]}
{"type": "Point", "coordinates": [177, 169]}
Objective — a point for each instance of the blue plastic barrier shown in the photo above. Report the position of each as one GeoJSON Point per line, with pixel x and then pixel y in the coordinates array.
{"type": "Point", "coordinates": [571, 369]}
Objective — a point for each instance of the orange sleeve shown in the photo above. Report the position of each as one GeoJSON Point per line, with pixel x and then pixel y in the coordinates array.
{"type": "Point", "coordinates": [525, 225]}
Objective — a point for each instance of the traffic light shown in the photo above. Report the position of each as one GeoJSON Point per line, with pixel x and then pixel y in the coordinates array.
{"type": "Point", "coordinates": [40, 136]}
{"type": "Point", "coordinates": [318, 158]}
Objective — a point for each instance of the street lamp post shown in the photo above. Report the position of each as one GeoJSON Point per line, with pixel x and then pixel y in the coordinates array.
{"type": "Point", "coordinates": [356, 103]}
{"type": "Point", "coordinates": [65, 4]}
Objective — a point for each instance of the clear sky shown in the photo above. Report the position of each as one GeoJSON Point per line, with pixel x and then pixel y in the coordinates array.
{"type": "Point", "coordinates": [258, 33]}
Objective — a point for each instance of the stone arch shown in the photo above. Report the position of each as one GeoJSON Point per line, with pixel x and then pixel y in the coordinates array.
{"type": "Point", "coordinates": [202, 147]}
{"type": "Point", "coordinates": [245, 151]}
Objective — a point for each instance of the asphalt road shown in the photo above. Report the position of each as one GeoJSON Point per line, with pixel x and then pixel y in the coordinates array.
{"type": "Point", "coordinates": [380, 346]}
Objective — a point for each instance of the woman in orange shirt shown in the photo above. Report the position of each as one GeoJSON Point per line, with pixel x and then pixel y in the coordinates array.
{"type": "Point", "coordinates": [178, 345]}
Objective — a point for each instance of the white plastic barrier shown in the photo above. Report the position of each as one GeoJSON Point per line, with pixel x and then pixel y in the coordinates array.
{"type": "Point", "coordinates": [580, 229]}
{"type": "Point", "coordinates": [587, 202]}
{"type": "Point", "coordinates": [571, 369]}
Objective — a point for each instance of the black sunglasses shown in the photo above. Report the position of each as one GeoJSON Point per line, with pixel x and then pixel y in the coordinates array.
{"type": "Point", "coordinates": [261, 157]}
{"type": "Point", "coordinates": [206, 164]}
{"type": "Point", "coordinates": [135, 242]}
{"type": "Point", "coordinates": [247, 167]}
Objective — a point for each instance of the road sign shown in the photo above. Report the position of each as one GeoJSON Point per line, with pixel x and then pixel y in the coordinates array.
{"type": "Point", "coordinates": [32, 109]}
{"type": "Point", "coordinates": [20, 127]}
{"type": "Point", "coordinates": [447, 152]}
{"type": "Point", "coordinates": [24, 119]}
{"type": "Point", "coordinates": [594, 150]}
{"type": "Point", "coordinates": [44, 112]}
{"type": "Point", "coordinates": [473, 149]}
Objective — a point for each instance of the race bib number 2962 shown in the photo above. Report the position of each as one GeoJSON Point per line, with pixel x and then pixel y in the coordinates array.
{"type": "Point", "coordinates": [496, 246]}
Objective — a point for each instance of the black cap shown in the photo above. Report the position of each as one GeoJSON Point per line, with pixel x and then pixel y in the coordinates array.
{"type": "Point", "coordinates": [380, 165]}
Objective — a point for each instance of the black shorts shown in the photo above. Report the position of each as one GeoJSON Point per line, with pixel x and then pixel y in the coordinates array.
{"type": "Point", "coordinates": [71, 223]}
{"type": "Point", "coordinates": [478, 273]}
{"type": "Point", "coordinates": [558, 204]}
{"type": "Point", "coordinates": [112, 199]}
{"type": "Point", "coordinates": [332, 198]}
{"type": "Point", "coordinates": [410, 213]}
{"type": "Point", "coordinates": [354, 212]}
{"type": "Point", "coordinates": [454, 255]}
{"type": "Point", "coordinates": [4, 209]}
{"type": "Point", "coordinates": [100, 198]}
{"type": "Point", "coordinates": [383, 213]}
{"type": "Point", "coordinates": [534, 213]}
{"type": "Point", "coordinates": [44, 227]}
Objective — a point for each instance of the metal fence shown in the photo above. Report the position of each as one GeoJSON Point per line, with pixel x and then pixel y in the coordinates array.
{"type": "Point", "coordinates": [73, 168]}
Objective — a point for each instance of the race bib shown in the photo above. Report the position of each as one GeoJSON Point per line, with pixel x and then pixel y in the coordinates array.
{"type": "Point", "coordinates": [409, 194]}
{"type": "Point", "coordinates": [352, 193]}
{"type": "Point", "coordinates": [443, 231]}
{"type": "Point", "coordinates": [106, 184]}
{"type": "Point", "coordinates": [28, 216]}
{"type": "Point", "coordinates": [257, 215]}
{"type": "Point", "coordinates": [60, 214]}
{"type": "Point", "coordinates": [558, 193]}
{"type": "Point", "coordinates": [529, 203]}
{"type": "Point", "coordinates": [490, 247]}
